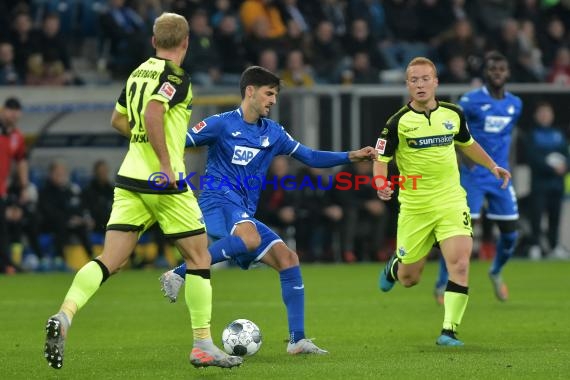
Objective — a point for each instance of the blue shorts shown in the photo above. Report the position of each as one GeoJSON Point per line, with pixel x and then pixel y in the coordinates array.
{"type": "Point", "coordinates": [501, 203]}
{"type": "Point", "coordinates": [221, 220]}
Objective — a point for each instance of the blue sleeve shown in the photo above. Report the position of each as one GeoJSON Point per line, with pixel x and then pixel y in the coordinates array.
{"type": "Point", "coordinates": [464, 104]}
{"type": "Point", "coordinates": [205, 132]}
{"type": "Point", "coordinates": [320, 158]}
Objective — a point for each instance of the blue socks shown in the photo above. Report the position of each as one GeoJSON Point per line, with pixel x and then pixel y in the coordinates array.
{"type": "Point", "coordinates": [226, 248]}
{"type": "Point", "coordinates": [505, 249]}
{"type": "Point", "coordinates": [293, 293]}
{"type": "Point", "coordinates": [181, 270]}
{"type": "Point", "coordinates": [221, 250]}
{"type": "Point", "coordinates": [442, 275]}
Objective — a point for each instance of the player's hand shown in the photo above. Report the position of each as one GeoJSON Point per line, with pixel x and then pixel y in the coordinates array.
{"type": "Point", "coordinates": [169, 178]}
{"type": "Point", "coordinates": [386, 192]}
{"type": "Point", "coordinates": [365, 154]}
{"type": "Point", "coordinates": [499, 173]}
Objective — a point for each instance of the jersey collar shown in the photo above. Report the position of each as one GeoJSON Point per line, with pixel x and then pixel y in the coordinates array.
{"type": "Point", "coordinates": [423, 113]}
{"type": "Point", "coordinates": [240, 112]}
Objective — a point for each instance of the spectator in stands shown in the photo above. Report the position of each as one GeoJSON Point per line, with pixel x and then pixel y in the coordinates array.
{"type": "Point", "coordinates": [456, 71]}
{"type": "Point", "coordinates": [22, 218]}
{"type": "Point", "coordinates": [221, 9]}
{"type": "Point", "coordinates": [440, 16]}
{"type": "Point", "coordinates": [21, 38]}
{"type": "Point", "coordinates": [10, 116]}
{"type": "Point", "coordinates": [530, 10]}
{"type": "Point", "coordinates": [334, 12]}
{"type": "Point", "coordinates": [326, 53]}
{"type": "Point", "coordinates": [362, 71]}
{"type": "Point", "coordinates": [296, 39]}
{"type": "Point", "coordinates": [52, 46]}
{"type": "Point", "coordinates": [97, 197]}
{"type": "Point", "coordinates": [318, 216]}
{"type": "Point", "coordinates": [268, 59]}
{"type": "Point", "coordinates": [185, 8]}
{"type": "Point", "coordinates": [461, 40]}
{"type": "Point", "coordinates": [292, 12]}
{"type": "Point", "coordinates": [258, 40]}
{"type": "Point", "coordinates": [532, 55]}
{"type": "Point", "coordinates": [45, 71]}
{"type": "Point", "coordinates": [9, 75]}
{"type": "Point", "coordinates": [124, 30]}
{"type": "Point", "coordinates": [4, 19]}
{"type": "Point", "coordinates": [296, 72]}
{"type": "Point", "coordinates": [560, 71]}
{"type": "Point", "coordinates": [252, 11]}
{"type": "Point", "coordinates": [406, 41]}
{"type": "Point", "coordinates": [547, 153]}
{"type": "Point", "coordinates": [372, 11]}
{"type": "Point", "coordinates": [203, 61]}
{"type": "Point", "coordinates": [231, 50]}
{"type": "Point", "coordinates": [364, 222]}
{"type": "Point", "coordinates": [518, 52]}
{"type": "Point", "coordinates": [6, 265]}
{"type": "Point", "coordinates": [553, 37]}
{"type": "Point", "coordinates": [148, 10]}
{"type": "Point", "coordinates": [12, 149]}
{"type": "Point", "coordinates": [359, 40]}
{"type": "Point", "coordinates": [491, 15]}
{"type": "Point", "coordinates": [62, 213]}
{"type": "Point", "coordinates": [276, 206]}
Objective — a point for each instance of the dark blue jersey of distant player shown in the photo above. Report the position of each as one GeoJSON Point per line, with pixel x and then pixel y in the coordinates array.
{"type": "Point", "coordinates": [491, 122]}
{"type": "Point", "coordinates": [240, 154]}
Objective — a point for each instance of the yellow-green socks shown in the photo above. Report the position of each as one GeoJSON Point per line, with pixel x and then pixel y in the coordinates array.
{"type": "Point", "coordinates": [198, 294]}
{"type": "Point", "coordinates": [455, 302]}
{"type": "Point", "coordinates": [84, 285]}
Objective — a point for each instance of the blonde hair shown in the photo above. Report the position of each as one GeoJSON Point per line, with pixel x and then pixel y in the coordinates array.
{"type": "Point", "coordinates": [169, 30]}
{"type": "Point", "coordinates": [421, 61]}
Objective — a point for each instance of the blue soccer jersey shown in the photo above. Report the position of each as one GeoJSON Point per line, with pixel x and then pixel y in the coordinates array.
{"type": "Point", "coordinates": [239, 154]}
{"type": "Point", "coordinates": [491, 122]}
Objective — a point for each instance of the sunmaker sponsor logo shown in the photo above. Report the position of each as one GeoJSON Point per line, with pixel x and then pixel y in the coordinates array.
{"type": "Point", "coordinates": [427, 142]}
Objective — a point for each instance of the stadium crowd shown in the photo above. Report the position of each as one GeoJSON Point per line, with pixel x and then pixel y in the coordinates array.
{"type": "Point", "coordinates": [307, 42]}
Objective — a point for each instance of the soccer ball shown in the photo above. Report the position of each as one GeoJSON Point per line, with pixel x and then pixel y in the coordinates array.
{"type": "Point", "coordinates": [241, 337]}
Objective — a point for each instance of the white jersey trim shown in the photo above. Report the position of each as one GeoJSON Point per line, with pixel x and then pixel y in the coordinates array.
{"type": "Point", "coordinates": [295, 149]}
{"type": "Point", "coordinates": [502, 217]}
{"type": "Point", "coordinates": [190, 136]}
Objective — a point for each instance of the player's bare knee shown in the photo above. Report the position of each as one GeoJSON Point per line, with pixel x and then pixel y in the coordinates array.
{"type": "Point", "coordinates": [252, 240]}
{"type": "Point", "coordinates": [459, 268]}
{"type": "Point", "coordinates": [290, 259]}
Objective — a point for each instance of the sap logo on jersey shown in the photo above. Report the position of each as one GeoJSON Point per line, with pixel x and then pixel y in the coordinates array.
{"type": "Point", "coordinates": [495, 124]}
{"type": "Point", "coordinates": [243, 155]}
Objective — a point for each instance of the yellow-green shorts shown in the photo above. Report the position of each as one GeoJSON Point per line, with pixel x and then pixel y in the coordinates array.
{"type": "Point", "coordinates": [417, 233]}
{"type": "Point", "coordinates": [178, 214]}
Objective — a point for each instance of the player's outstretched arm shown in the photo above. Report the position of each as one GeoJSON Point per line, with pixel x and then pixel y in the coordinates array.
{"type": "Point", "coordinates": [383, 186]}
{"type": "Point", "coordinates": [365, 154]}
{"type": "Point", "coordinates": [120, 122]}
{"type": "Point", "coordinates": [479, 156]}
{"type": "Point", "coordinates": [326, 159]}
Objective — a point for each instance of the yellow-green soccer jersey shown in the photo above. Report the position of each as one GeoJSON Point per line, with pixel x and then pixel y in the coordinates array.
{"type": "Point", "coordinates": [424, 146]}
{"type": "Point", "coordinates": [161, 80]}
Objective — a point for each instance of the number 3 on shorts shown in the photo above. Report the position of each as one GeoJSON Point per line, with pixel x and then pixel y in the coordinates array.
{"type": "Point", "coordinates": [467, 218]}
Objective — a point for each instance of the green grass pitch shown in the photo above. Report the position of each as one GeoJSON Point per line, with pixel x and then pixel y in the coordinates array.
{"type": "Point", "coordinates": [128, 331]}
